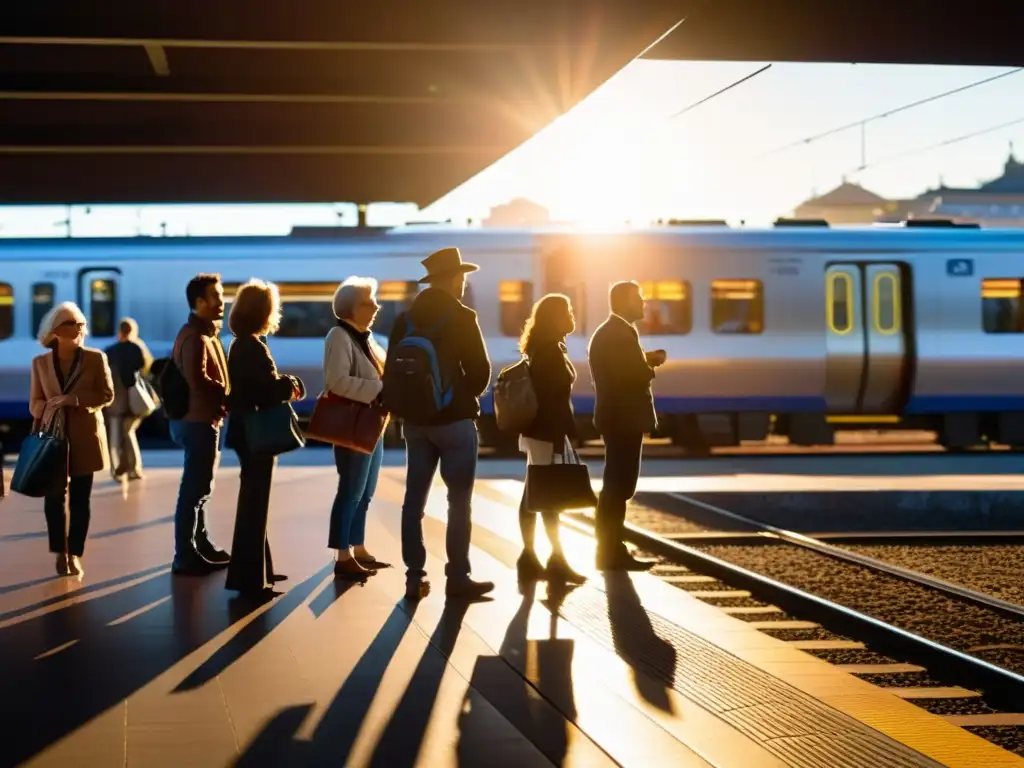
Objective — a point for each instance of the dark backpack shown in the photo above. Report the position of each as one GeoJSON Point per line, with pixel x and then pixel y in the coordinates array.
{"type": "Point", "coordinates": [172, 388]}
{"type": "Point", "coordinates": [414, 388]}
{"type": "Point", "coordinates": [515, 399]}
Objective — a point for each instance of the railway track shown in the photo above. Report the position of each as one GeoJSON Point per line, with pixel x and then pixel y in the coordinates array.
{"type": "Point", "coordinates": [956, 651]}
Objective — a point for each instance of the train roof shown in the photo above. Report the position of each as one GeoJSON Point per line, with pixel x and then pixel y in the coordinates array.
{"type": "Point", "coordinates": [417, 239]}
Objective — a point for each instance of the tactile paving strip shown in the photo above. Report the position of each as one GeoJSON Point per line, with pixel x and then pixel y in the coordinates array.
{"type": "Point", "coordinates": [794, 726]}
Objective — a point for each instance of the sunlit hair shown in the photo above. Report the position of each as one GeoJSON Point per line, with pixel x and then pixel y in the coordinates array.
{"type": "Point", "coordinates": [349, 293]}
{"type": "Point", "coordinates": [541, 324]}
{"type": "Point", "coordinates": [129, 328]}
{"type": "Point", "coordinates": [256, 309]}
{"type": "Point", "coordinates": [61, 313]}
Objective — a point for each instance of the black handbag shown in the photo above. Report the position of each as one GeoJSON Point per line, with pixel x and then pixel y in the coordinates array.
{"type": "Point", "coordinates": [42, 466]}
{"type": "Point", "coordinates": [273, 430]}
{"type": "Point", "coordinates": [558, 487]}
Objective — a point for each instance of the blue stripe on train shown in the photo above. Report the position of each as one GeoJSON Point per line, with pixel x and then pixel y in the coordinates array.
{"type": "Point", "coordinates": [923, 404]}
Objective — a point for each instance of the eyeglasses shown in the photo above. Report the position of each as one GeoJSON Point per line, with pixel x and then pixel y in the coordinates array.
{"type": "Point", "coordinates": [72, 324]}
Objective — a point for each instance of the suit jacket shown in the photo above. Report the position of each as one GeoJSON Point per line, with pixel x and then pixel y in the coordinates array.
{"type": "Point", "coordinates": [84, 425]}
{"type": "Point", "coordinates": [200, 357]}
{"type": "Point", "coordinates": [623, 402]}
{"type": "Point", "coordinates": [257, 384]}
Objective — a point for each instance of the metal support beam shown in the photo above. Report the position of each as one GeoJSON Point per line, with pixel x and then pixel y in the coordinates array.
{"type": "Point", "coordinates": [158, 59]}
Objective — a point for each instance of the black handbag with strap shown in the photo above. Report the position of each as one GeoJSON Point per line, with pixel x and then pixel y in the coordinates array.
{"type": "Point", "coordinates": [42, 466]}
{"type": "Point", "coordinates": [558, 487]}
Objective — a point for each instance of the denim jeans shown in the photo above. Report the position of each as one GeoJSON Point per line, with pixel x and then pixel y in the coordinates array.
{"type": "Point", "coordinates": [455, 447]}
{"type": "Point", "coordinates": [357, 482]}
{"type": "Point", "coordinates": [201, 443]}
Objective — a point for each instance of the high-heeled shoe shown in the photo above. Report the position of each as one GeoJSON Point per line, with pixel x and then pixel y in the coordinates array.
{"type": "Point", "coordinates": [75, 566]}
{"type": "Point", "coordinates": [350, 570]}
{"type": "Point", "coordinates": [62, 565]}
{"type": "Point", "coordinates": [558, 570]}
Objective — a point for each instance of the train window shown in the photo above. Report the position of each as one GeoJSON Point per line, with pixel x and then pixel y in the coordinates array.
{"type": "Point", "coordinates": [737, 306]}
{"type": "Point", "coordinates": [668, 309]}
{"type": "Point", "coordinates": [516, 297]}
{"type": "Point", "coordinates": [102, 308]}
{"type": "Point", "coordinates": [6, 311]}
{"type": "Point", "coordinates": [307, 309]}
{"type": "Point", "coordinates": [839, 300]}
{"type": "Point", "coordinates": [42, 302]}
{"type": "Point", "coordinates": [886, 304]}
{"type": "Point", "coordinates": [394, 297]}
{"type": "Point", "coordinates": [1001, 308]}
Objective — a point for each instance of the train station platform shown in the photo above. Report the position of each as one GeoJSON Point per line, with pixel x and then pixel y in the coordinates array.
{"type": "Point", "coordinates": [131, 666]}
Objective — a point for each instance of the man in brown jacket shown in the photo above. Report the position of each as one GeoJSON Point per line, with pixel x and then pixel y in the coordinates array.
{"type": "Point", "coordinates": [200, 357]}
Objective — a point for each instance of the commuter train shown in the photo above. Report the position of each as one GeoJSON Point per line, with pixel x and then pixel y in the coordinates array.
{"type": "Point", "coordinates": [794, 331]}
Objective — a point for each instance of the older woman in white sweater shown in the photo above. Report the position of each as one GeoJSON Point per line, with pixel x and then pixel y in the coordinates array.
{"type": "Point", "coordinates": [353, 365]}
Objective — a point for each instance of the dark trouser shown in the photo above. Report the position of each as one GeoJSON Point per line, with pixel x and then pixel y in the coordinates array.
{"type": "Point", "coordinates": [55, 506]}
{"type": "Point", "coordinates": [251, 566]}
{"type": "Point", "coordinates": [357, 482]}
{"type": "Point", "coordinates": [621, 471]}
{"type": "Point", "coordinates": [202, 450]}
{"type": "Point", "coordinates": [455, 447]}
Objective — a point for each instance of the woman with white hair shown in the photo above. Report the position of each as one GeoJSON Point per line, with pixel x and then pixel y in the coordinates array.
{"type": "Point", "coordinates": [353, 366]}
{"type": "Point", "coordinates": [73, 382]}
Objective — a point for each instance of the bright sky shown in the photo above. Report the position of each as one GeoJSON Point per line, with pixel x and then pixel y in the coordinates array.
{"type": "Point", "coordinates": [621, 156]}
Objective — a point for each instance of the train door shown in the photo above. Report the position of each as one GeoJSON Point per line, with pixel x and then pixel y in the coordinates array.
{"type": "Point", "coordinates": [99, 297]}
{"type": "Point", "coordinates": [866, 343]}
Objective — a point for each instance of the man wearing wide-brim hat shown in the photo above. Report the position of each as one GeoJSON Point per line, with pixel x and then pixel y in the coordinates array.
{"type": "Point", "coordinates": [449, 439]}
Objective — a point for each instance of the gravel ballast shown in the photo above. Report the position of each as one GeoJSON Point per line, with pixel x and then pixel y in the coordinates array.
{"type": "Point", "coordinates": [990, 568]}
{"type": "Point", "coordinates": [912, 607]}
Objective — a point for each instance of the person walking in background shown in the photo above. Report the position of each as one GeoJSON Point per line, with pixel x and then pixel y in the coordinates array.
{"type": "Point", "coordinates": [199, 359]}
{"type": "Point", "coordinates": [437, 368]}
{"type": "Point", "coordinates": [255, 312]}
{"type": "Point", "coordinates": [623, 414]}
{"type": "Point", "coordinates": [353, 366]}
{"type": "Point", "coordinates": [127, 357]}
{"type": "Point", "coordinates": [552, 374]}
{"type": "Point", "coordinates": [74, 381]}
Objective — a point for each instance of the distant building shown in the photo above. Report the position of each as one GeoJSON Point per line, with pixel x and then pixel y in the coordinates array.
{"type": "Point", "coordinates": [996, 203]}
{"type": "Point", "coordinates": [519, 212]}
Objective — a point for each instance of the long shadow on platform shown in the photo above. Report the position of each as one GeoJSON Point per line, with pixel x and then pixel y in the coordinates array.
{"type": "Point", "coordinates": [60, 670]}
{"type": "Point", "coordinates": [635, 640]}
{"type": "Point", "coordinates": [529, 683]}
{"type": "Point", "coordinates": [337, 732]}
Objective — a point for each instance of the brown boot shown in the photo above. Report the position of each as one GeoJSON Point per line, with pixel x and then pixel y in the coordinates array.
{"type": "Point", "coordinates": [350, 570]}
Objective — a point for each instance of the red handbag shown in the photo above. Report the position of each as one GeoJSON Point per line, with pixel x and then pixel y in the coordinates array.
{"type": "Point", "coordinates": [347, 423]}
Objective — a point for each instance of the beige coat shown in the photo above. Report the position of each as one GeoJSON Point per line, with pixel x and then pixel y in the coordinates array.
{"type": "Point", "coordinates": [86, 432]}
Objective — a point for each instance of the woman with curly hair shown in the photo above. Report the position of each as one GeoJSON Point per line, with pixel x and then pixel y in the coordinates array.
{"type": "Point", "coordinates": [256, 384]}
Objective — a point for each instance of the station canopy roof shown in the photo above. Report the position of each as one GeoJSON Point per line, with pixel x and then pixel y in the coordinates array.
{"type": "Point", "coordinates": [393, 100]}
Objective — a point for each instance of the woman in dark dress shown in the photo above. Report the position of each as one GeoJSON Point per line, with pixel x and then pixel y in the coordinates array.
{"type": "Point", "coordinates": [552, 374]}
{"type": "Point", "coordinates": [255, 384]}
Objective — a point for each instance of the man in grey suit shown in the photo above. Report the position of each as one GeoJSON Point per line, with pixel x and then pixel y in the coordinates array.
{"type": "Point", "coordinates": [623, 414]}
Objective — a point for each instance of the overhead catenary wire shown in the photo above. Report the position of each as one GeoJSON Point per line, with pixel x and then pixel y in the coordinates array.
{"type": "Point", "coordinates": [886, 113]}
{"type": "Point", "coordinates": [719, 92]}
{"type": "Point", "coordinates": [938, 145]}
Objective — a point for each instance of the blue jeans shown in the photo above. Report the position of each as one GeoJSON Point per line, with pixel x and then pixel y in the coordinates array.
{"type": "Point", "coordinates": [357, 482]}
{"type": "Point", "coordinates": [455, 447]}
{"type": "Point", "coordinates": [201, 443]}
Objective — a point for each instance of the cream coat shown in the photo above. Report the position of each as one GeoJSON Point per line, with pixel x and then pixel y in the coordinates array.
{"type": "Point", "coordinates": [361, 382]}
{"type": "Point", "coordinates": [84, 426]}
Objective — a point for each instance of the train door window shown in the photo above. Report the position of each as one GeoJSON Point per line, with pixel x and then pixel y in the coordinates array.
{"type": "Point", "coordinates": [102, 308]}
{"type": "Point", "coordinates": [394, 297]}
{"type": "Point", "coordinates": [668, 309]}
{"type": "Point", "coordinates": [6, 311]}
{"type": "Point", "coordinates": [516, 297]}
{"type": "Point", "coordinates": [839, 300]}
{"type": "Point", "coordinates": [886, 303]}
{"type": "Point", "coordinates": [42, 302]}
{"type": "Point", "coordinates": [737, 306]}
{"type": "Point", "coordinates": [1001, 307]}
